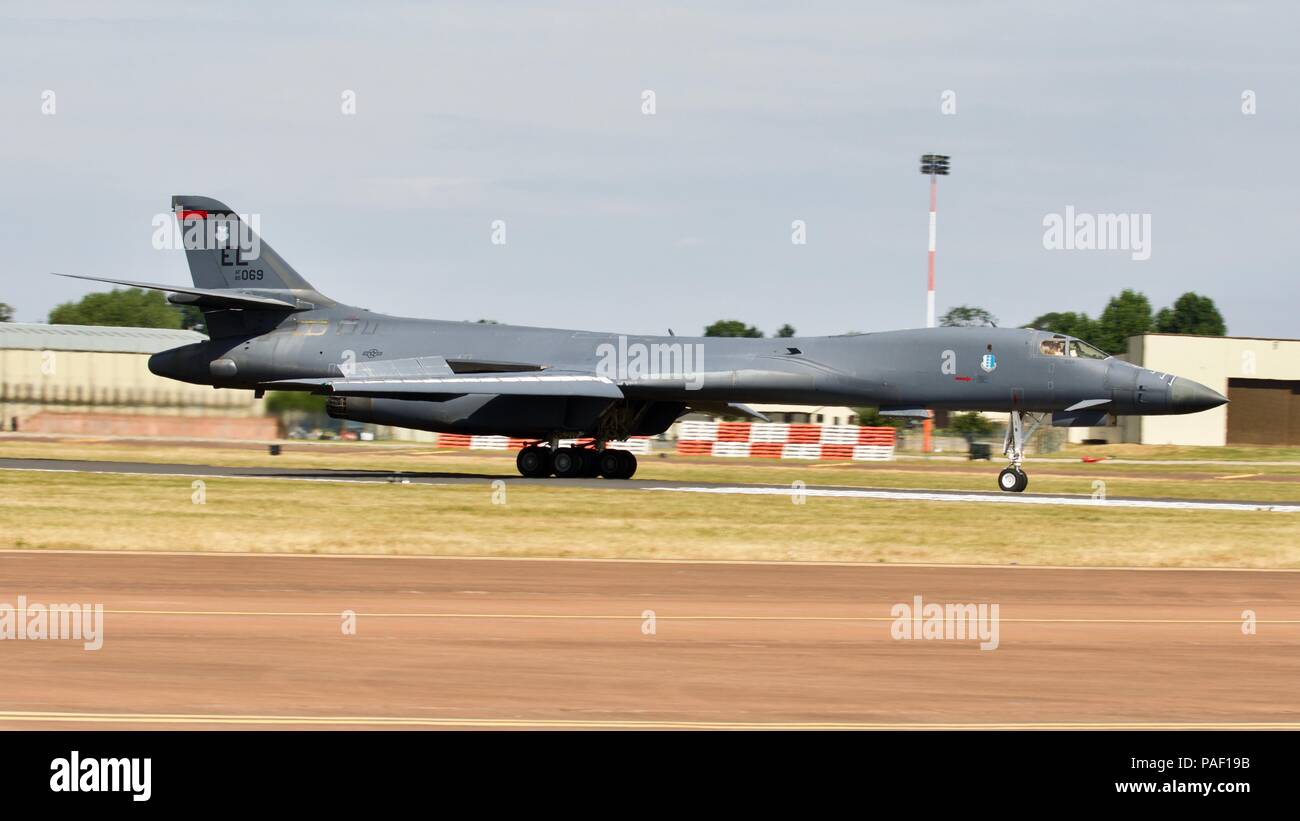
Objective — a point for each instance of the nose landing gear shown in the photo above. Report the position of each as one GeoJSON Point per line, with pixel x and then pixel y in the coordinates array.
{"type": "Point", "coordinates": [1013, 479]}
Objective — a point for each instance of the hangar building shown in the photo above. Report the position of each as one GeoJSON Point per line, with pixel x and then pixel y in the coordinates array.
{"type": "Point", "coordinates": [80, 379]}
{"type": "Point", "coordinates": [1260, 377]}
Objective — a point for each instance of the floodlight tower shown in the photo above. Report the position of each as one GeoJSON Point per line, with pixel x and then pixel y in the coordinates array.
{"type": "Point", "coordinates": [936, 165]}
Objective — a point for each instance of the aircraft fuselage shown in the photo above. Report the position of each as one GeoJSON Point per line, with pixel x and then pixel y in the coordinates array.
{"type": "Point", "coordinates": [967, 368]}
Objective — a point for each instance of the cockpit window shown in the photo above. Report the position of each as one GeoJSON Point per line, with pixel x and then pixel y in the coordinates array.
{"type": "Point", "coordinates": [1052, 347]}
{"type": "Point", "coordinates": [1086, 351]}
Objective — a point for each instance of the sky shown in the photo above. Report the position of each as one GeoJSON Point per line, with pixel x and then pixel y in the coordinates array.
{"type": "Point", "coordinates": [1182, 113]}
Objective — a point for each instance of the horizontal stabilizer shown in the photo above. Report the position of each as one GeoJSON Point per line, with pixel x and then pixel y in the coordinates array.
{"type": "Point", "coordinates": [205, 297]}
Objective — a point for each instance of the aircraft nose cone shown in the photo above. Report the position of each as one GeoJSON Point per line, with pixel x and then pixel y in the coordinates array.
{"type": "Point", "coordinates": [1187, 396]}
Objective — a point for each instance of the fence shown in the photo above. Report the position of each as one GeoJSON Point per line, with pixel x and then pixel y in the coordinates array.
{"type": "Point", "coordinates": [637, 444]}
{"type": "Point", "coordinates": [779, 441]}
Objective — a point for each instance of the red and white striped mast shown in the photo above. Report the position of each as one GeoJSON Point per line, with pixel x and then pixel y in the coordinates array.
{"type": "Point", "coordinates": [936, 165]}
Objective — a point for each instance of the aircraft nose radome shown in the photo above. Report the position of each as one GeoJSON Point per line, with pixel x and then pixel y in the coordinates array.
{"type": "Point", "coordinates": [1187, 396]}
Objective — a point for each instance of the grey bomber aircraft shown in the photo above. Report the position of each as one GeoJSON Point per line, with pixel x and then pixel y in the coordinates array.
{"type": "Point", "coordinates": [270, 329]}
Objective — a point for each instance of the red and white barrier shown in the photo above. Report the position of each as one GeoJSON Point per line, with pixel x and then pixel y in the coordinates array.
{"type": "Point", "coordinates": [637, 444]}
{"type": "Point", "coordinates": [737, 439]}
{"type": "Point", "coordinates": [779, 441]}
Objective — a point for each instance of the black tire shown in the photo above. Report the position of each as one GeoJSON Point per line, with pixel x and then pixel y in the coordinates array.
{"type": "Point", "coordinates": [1012, 480]}
{"type": "Point", "coordinates": [534, 462]}
{"type": "Point", "coordinates": [590, 464]}
{"type": "Point", "coordinates": [568, 463]}
{"type": "Point", "coordinates": [611, 464]}
{"type": "Point", "coordinates": [618, 464]}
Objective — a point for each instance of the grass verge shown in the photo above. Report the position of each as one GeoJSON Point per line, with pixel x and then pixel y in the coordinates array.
{"type": "Point", "coordinates": [41, 511]}
{"type": "Point", "coordinates": [1262, 483]}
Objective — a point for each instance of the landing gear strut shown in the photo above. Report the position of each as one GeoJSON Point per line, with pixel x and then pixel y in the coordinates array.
{"type": "Point", "coordinates": [1012, 478]}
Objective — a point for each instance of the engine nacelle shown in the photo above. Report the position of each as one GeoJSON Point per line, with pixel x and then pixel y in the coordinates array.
{"type": "Point", "coordinates": [476, 414]}
{"type": "Point", "coordinates": [525, 417]}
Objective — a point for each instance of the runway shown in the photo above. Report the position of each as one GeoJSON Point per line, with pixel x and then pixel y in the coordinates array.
{"type": "Point", "coordinates": [212, 641]}
{"type": "Point", "coordinates": [448, 478]}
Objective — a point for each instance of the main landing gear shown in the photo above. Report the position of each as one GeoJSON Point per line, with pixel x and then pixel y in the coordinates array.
{"type": "Point", "coordinates": [538, 461]}
{"type": "Point", "coordinates": [1013, 478]}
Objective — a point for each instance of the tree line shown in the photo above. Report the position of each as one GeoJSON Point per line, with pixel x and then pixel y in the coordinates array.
{"type": "Point", "coordinates": [1126, 314]}
{"type": "Point", "coordinates": [121, 308]}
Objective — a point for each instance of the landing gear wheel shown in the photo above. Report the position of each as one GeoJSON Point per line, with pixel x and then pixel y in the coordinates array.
{"type": "Point", "coordinates": [568, 463]}
{"type": "Point", "coordinates": [1013, 480]}
{"type": "Point", "coordinates": [611, 463]}
{"type": "Point", "coordinates": [617, 464]}
{"type": "Point", "coordinates": [590, 464]}
{"type": "Point", "coordinates": [534, 462]}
